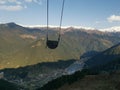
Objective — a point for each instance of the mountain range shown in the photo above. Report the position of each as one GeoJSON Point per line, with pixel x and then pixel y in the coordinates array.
{"type": "Point", "coordinates": [25, 60]}
{"type": "Point", "coordinates": [21, 46]}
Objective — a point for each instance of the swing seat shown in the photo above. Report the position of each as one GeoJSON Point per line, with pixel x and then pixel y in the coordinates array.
{"type": "Point", "coordinates": [52, 44]}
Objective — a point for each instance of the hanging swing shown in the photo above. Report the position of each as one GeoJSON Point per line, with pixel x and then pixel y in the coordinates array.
{"type": "Point", "coordinates": [52, 44]}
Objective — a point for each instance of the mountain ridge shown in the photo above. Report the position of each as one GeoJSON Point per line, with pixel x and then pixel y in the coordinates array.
{"type": "Point", "coordinates": [20, 44]}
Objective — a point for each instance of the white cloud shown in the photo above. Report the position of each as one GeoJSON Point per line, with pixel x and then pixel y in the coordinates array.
{"type": "Point", "coordinates": [34, 1]}
{"type": "Point", "coordinates": [63, 27]}
{"type": "Point", "coordinates": [11, 7]}
{"type": "Point", "coordinates": [28, 0]}
{"type": "Point", "coordinates": [113, 18]}
{"type": "Point", "coordinates": [38, 1]}
{"type": "Point", "coordinates": [15, 5]}
{"type": "Point", "coordinates": [10, 1]}
{"type": "Point", "coordinates": [111, 29]}
{"type": "Point", "coordinates": [2, 1]}
{"type": "Point", "coordinates": [97, 22]}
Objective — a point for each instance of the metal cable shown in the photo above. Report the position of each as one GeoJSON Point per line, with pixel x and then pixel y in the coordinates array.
{"type": "Point", "coordinates": [61, 18]}
{"type": "Point", "coordinates": [47, 17]}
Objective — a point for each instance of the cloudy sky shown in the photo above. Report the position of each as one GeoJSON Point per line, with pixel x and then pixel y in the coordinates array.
{"type": "Point", "coordinates": [88, 13]}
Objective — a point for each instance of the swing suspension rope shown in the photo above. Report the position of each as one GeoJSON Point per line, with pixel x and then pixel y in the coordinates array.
{"type": "Point", "coordinates": [61, 18]}
{"type": "Point", "coordinates": [47, 17]}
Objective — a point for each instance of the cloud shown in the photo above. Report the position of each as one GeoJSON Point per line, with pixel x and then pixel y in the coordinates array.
{"type": "Point", "coordinates": [11, 7]}
{"type": "Point", "coordinates": [34, 1]}
{"type": "Point", "coordinates": [28, 0]}
{"type": "Point", "coordinates": [9, 1]}
{"type": "Point", "coordinates": [97, 22]}
{"type": "Point", "coordinates": [111, 29]}
{"type": "Point", "coordinates": [16, 5]}
{"type": "Point", "coordinates": [38, 1]}
{"type": "Point", "coordinates": [113, 18]}
{"type": "Point", "coordinates": [2, 2]}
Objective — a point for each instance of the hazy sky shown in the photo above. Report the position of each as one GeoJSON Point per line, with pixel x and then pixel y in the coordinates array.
{"type": "Point", "coordinates": [88, 13]}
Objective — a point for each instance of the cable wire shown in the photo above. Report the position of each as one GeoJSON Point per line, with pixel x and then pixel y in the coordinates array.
{"type": "Point", "coordinates": [61, 18]}
{"type": "Point", "coordinates": [47, 17]}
